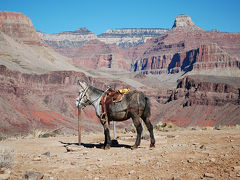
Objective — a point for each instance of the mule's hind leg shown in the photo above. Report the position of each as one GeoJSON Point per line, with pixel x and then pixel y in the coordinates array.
{"type": "Point", "coordinates": [150, 129]}
{"type": "Point", "coordinates": [138, 126]}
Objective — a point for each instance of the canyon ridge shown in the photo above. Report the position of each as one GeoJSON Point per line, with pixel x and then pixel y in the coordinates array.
{"type": "Point", "coordinates": [191, 75]}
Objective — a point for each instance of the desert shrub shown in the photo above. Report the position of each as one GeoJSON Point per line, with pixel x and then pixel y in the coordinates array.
{"type": "Point", "coordinates": [163, 126]}
{"type": "Point", "coordinates": [38, 133]}
{"type": "Point", "coordinates": [6, 157]}
{"type": "Point", "coordinates": [2, 137]}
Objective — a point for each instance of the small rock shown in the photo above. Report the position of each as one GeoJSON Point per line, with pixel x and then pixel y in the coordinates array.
{"type": "Point", "coordinates": [236, 168]}
{"type": "Point", "coordinates": [212, 160]}
{"type": "Point", "coordinates": [73, 148]}
{"type": "Point", "coordinates": [176, 178]}
{"type": "Point", "coordinates": [32, 175]}
{"type": "Point", "coordinates": [4, 176]}
{"type": "Point", "coordinates": [190, 160]}
{"type": "Point", "coordinates": [131, 172]}
{"type": "Point", "coordinates": [84, 153]}
{"type": "Point", "coordinates": [238, 174]}
{"type": "Point", "coordinates": [5, 173]}
{"type": "Point", "coordinates": [87, 157]}
{"type": "Point", "coordinates": [100, 165]}
{"type": "Point", "coordinates": [170, 136]}
{"type": "Point", "coordinates": [37, 159]}
{"type": "Point", "coordinates": [159, 164]}
{"type": "Point", "coordinates": [46, 154]}
{"type": "Point", "coordinates": [209, 175]}
{"type": "Point", "coordinates": [202, 147]}
{"type": "Point", "coordinates": [73, 163]}
{"type": "Point", "coordinates": [99, 159]}
{"type": "Point", "coordinates": [196, 144]}
{"type": "Point", "coordinates": [88, 168]}
{"type": "Point", "coordinates": [174, 145]}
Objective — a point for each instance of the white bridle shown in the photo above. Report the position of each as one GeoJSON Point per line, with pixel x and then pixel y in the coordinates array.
{"type": "Point", "coordinates": [82, 93]}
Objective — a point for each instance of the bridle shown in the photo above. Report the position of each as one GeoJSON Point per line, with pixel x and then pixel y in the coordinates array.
{"type": "Point", "coordinates": [88, 102]}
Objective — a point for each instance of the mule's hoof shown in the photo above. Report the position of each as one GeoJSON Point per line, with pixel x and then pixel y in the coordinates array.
{"type": "Point", "coordinates": [152, 145]}
{"type": "Point", "coordinates": [134, 147]}
{"type": "Point", "coordinates": [107, 147]}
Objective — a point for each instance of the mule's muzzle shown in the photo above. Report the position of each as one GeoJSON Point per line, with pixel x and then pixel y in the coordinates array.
{"type": "Point", "coordinates": [78, 102]}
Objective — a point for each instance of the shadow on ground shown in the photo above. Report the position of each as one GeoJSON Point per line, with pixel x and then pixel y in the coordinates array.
{"type": "Point", "coordinates": [98, 145]}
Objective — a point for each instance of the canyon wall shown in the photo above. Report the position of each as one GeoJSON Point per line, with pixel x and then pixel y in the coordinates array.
{"type": "Point", "coordinates": [22, 49]}
{"type": "Point", "coordinates": [207, 56]}
{"type": "Point", "coordinates": [38, 85]}
{"type": "Point", "coordinates": [45, 101]}
{"type": "Point", "coordinates": [205, 101]}
{"type": "Point", "coordinates": [19, 27]}
{"type": "Point", "coordinates": [87, 49]}
{"type": "Point", "coordinates": [150, 50]}
{"type": "Point", "coordinates": [130, 37]}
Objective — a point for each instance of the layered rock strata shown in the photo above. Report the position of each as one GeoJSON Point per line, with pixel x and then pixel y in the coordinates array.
{"type": "Point", "coordinates": [130, 37]}
{"type": "Point", "coordinates": [208, 56]}
{"type": "Point", "coordinates": [98, 55]}
{"type": "Point", "coordinates": [46, 101]}
{"type": "Point", "coordinates": [19, 27]}
{"type": "Point", "coordinates": [208, 90]}
{"type": "Point", "coordinates": [66, 42]}
{"type": "Point", "coordinates": [21, 48]}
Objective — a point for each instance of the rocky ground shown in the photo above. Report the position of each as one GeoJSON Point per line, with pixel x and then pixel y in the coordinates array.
{"type": "Point", "coordinates": [179, 154]}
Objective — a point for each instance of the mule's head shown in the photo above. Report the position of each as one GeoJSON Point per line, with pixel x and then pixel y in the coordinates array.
{"type": "Point", "coordinates": [83, 98]}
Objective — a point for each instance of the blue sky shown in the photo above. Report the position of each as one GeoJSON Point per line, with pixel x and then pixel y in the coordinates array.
{"type": "Point", "coordinates": [53, 16]}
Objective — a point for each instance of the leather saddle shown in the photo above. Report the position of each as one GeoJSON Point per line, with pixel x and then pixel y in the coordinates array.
{"type": "Point", "coordinates": [109, 97]}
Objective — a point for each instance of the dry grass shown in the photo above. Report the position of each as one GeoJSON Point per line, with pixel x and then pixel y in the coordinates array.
{"type": "Point", "coordinates": [165, 126]}
{"type": "Point", "coordinates": [3, 137]}
{"type": "Point", "coordinates": [6, 157]}
{"type": "Point", "coordinates": [39, 133]}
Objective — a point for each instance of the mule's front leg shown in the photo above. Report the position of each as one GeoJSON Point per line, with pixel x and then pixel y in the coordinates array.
{"type": "Point", "coordinates": [138, 125]}
{"type": "Point", "coordinates": [107, 141]}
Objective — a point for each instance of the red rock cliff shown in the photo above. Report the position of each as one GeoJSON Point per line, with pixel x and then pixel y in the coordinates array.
{"type": "Point", "coordinates": [19, 27]}
{"type": "Point", "coordinates": [205, 101]}
{"type": "Point", "coordinates": [30, 101]}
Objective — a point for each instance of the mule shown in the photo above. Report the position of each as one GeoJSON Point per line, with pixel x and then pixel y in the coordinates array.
{"type": "Point", "coordinates": [134, 105]}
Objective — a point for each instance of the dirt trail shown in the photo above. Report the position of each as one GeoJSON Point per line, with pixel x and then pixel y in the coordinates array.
{"type": "Point", "coordinates": [181, 154]}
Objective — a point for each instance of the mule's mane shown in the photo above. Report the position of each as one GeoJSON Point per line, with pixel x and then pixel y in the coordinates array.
{"type": "Point", "coordinates": [96, 90]}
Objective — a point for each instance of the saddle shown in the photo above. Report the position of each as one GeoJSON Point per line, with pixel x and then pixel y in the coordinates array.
{"type": "Point", "coordinates": [109, 97]}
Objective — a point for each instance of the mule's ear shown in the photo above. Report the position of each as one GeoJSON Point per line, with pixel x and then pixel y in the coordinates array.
{"type": "Point", "coordinates": [82, 84]}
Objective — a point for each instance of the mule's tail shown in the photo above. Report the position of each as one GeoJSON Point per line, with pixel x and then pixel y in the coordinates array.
{"type": "Point", "coordinates": [147, 109]}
